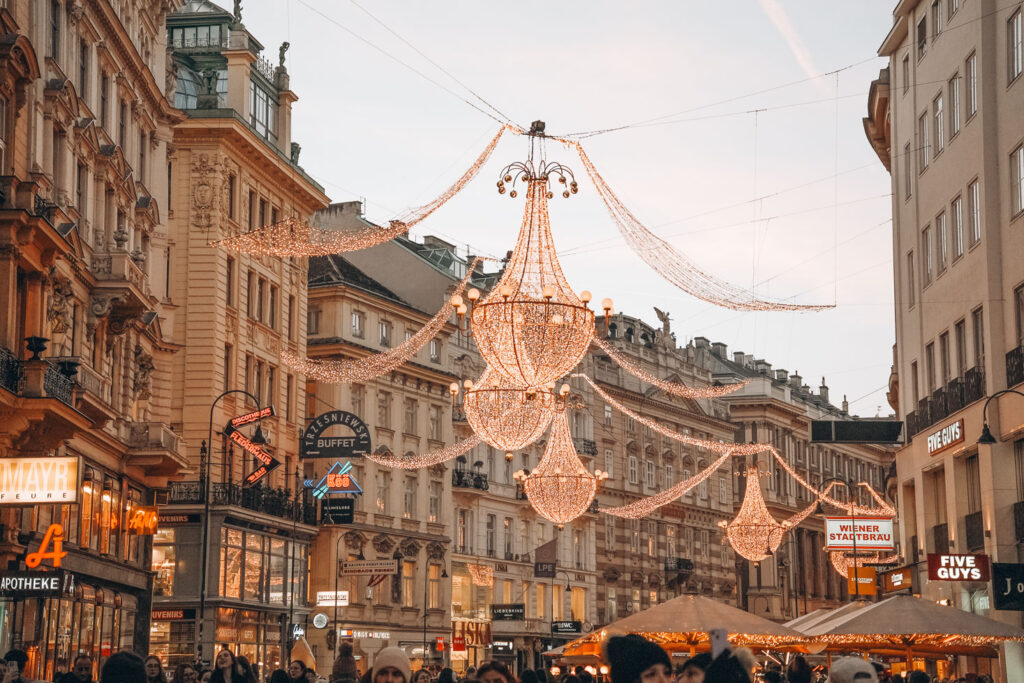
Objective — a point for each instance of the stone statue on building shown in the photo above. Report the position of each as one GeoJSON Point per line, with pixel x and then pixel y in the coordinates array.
{"type": "Point", "coordinates": [238, 11]}
{"type": "Point", "coordinates": [280, 53]}
{"type": "Point", "coordinates": [664, 336]}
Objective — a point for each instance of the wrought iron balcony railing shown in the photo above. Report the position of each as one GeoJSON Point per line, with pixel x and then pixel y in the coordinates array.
{"type": "Point", "coordinates": [275, 502]}
{"type": "Point", "coordinates": [1015, 366]}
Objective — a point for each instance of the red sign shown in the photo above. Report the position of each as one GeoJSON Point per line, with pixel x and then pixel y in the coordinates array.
{"type": "Point", "coordinates": [459, 644]}
{"type": "Point", "coordinates": [950, 567]}
{"type": "Point", "coordinates": [55, 535]}
{"type": "Point", "coordinates": [254, 416]}
{"type": "Point", "coordinates": [251, 448]}
{"type": "Point", "coordinates": [143, 520]}
{"type": "Point", "coordinates": [440, 643]}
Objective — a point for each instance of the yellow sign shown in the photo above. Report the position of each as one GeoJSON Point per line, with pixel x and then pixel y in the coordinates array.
{"type": "Point", "coordinates": [32, 481]}
{"type": "Point", "coordinates": [143, 520]}
{"type": "Point", "coordinates": [866, 582]}
{"type": "Point", "coordinates": [55, 535]}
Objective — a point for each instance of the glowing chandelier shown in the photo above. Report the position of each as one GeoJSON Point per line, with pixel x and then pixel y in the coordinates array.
{"type": "Point", "coordinates": [560, 489]}
{"type": "Point", "coordinates": [753, 533]}
{"type": "Point", "coordinates": [504, 415]}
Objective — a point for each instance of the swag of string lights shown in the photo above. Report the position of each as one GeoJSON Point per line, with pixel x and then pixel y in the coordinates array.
{"type": "Point", "coordinates": [843, 562]}
{"type": "Point", "coordinates": [645, 506]}
{"type": "Point", "coordinates": [296, 237]}
{"type": "Point", "coordinates": [414, 462]}
{"type": "Point", "coordinates": [504, 415]}
{"type": "Point", "coordinates": [375, 365]}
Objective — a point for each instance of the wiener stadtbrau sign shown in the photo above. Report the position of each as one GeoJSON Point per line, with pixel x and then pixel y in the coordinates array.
{"type": "Point", "coordinates": [337, 446]}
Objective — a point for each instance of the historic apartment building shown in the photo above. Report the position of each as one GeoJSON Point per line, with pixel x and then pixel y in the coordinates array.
{"type": "Point", "coordinates": [944, 118]}
{"type": "Point", "coordinates": [85, 126]}
{"type": "Point", "coordinates": [492, 533]}
{"type": "Point", "coordinates": [777, 407]}
{"type": "Point", "coordinates": [679, 548]}
{"type": "Point", "coordinates": [233, 168]}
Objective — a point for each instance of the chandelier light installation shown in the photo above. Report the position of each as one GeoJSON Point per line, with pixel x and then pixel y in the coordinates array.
{"type": "Point", "coordinates": [754, 534]}
{"type": "Point", "coordinates": [507, 416]}
{"type": "Point", "coordinates": [560, 489]}
{"type": "Point", "coordinates": [415, 462]}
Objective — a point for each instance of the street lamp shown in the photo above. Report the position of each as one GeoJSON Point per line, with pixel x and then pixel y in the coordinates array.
{"type": "Point", "coordinates": [850, 487]}
{"type": "Point", "coordinates": [206, 455]}
{"type": "Point", "coordinates": [986, 435]}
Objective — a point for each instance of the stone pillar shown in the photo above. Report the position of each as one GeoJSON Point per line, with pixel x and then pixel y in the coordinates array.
{"type": "Point", "coordinates": [9, 298]}
{"type": "Point", "coordinates": [239, 63]}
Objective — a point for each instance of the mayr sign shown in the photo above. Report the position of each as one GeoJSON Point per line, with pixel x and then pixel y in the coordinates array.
{"type": "Point", "coordinates": [946, 437]}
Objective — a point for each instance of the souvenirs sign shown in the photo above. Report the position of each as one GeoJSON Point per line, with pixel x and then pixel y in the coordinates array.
{"type": "Point", "coordinates": [355, 444]}
{"type": "Point", "coordinates": [30, 481]}
{"type": "Point", "coordinates": [950, 567]}
{"type": "Point", "coordinates": [859, 533]}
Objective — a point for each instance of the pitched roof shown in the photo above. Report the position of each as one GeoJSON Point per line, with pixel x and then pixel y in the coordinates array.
{"type": "Point", "coordinates": [335, 270]}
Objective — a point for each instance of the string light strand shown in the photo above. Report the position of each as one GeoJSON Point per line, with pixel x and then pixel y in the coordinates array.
{"type": "Point", "coordinates": [415, 462]}
{"type": "Point", "coordinates": [646, 506]}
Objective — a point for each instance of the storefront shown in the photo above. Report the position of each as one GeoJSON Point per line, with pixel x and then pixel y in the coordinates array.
{"type": "Point", "coordinates": [471, 643]}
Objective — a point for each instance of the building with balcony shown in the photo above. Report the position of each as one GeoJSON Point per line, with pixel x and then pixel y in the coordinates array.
{"type": "Point", "coordinates": [776, 407]}
{"type": "Point", "coordinates": [84, 131]}
{"type": "Point", "coordinates": [233, 168]}
{"type": "Point", "coordinates": [946, 110]}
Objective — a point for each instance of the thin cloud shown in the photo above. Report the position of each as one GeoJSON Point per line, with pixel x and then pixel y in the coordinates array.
{"type": "Point", "coordinates": [803, 56]}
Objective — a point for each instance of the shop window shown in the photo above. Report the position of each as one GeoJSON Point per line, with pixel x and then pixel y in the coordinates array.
{"type": "Point", "coordinates": [231, 564]}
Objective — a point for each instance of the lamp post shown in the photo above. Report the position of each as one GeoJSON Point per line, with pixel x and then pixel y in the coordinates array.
{"type": "Point", "coordinates": [986, 435]}
{"type": "Point", "coordinates": [853, 523]}
{"type": "Point", "coordinates": [206, 455]}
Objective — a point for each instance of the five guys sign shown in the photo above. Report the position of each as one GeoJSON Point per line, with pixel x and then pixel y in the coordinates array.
{"type": "Point", "coordinates": [267, 462]}
{"type": "Point", "coordinates": [948, 567]}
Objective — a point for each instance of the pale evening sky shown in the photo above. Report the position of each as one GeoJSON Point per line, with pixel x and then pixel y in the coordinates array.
{"type": "Point", "coordinates": [752, 198]}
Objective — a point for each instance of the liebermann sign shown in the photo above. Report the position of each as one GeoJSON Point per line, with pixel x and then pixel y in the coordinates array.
{"type": "Point", "coordinates": [32, 481]}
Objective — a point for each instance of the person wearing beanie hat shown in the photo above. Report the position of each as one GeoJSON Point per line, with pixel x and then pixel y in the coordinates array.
{"type": "Point", "coordinates": [344, 668]}
{"type": "Point", "coordinates": [693, 669]}
{"type": "Point", "coordinates": [852, 670]}
{"type": "Point", "coordinates": [634, 659]}
{"type": "Point", "coordinates": [391, 665]}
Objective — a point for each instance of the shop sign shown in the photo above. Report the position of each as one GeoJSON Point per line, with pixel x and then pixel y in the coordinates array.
{"type": "Point", "coordinates": [566, 626]}
{"type": "Point", "coordinates": [898, 580]}
{"type": "Point", "coordinates": [946, 437]}
{"type": "Point", "coordinates": [319, 620]}
{"type": "Point", "coordinates": [475, 633]}
{"type": "Point", "coordinates": [316, 445]}
{"type": "Point", "coordinates": [439, 646]}
{"type": "Point", "coordinates": [949, 567]}
{"type": "Point", "coordinates": [29, 481]}
{"type": "Point", "coordinates": [337, 481]}
{"type": "Point", "coordinates": [165, 519]}
{"type": "Point", "coordinates": [143, 521]}
{"type": "Point", "coordinates": [862, 533]}
{"type": "Point", "coordinates": [21, 584]}
{"type": "Point", "coordinates": [54, 536]}
{"type": "Point", "coordinates": [861, 581]}
{"type": "Point", "coordinates": [267, 462]}
{"type": "Point", "coordinates": [332, 598]}
{"type": "Point", "coordinates": [503, 648]}
{"type": "Point", "coordinates": [373, 635]}
{"type": "Point", "coordinates": [227, 634]}
{"type": "Point", "coordinates": [508, 612]}
{"type": "Point", "coordinates": [337, 510]}
{"type": "Point", "coordinates": [544, 570]}
{"type": "Point", "coordinates": [249, 418]}
{"type": "Point", "coordinates": [369, 567]}
{"type": "Point", "coordinates": [173, 614]}
{"type": "Point", "coordinates": [298, 631]}
{"type": "Point", "coordinates": [458, 644]}
{"type": "Point", "coordinates": [1008, 586]}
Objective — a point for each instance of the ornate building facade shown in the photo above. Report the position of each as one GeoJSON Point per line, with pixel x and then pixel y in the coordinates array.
{"type": "Point", "coordinates": [85, 128]}
{"type": "Point", "coordinates": [233, 168]}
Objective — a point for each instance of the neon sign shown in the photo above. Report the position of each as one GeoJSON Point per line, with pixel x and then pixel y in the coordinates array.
{"type": "Point", "coordinates": [338, 480]}
{"type": "Point", "coordinates": [54, 535]}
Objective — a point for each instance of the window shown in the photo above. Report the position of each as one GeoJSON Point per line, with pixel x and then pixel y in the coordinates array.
{"type": "Point", "coordinates": [634, 535]}
{"type": "Point", "coordinates": [250, 294]}
{"type": "Point", "coordinates": [357, 324]}
{"type": "Point", "coordinates": [908, 176]}
{"type": "Point", "coordinates": [944, 357]}
{"type": "Point", "coordinates": [83, 69]}
{"type": "Point", "coordinates": [960, 332]}
{"type": "Point", "coordinates": [383, 489]}
{"type": "Point", "coordinates": [923, 148]}
{"type": "Point", "coordinates": [929, 367]}
{"type": "Point", "coordinates": [978, 332]}
{"type": "Point", "coordinates": [435, 351]}
{"type": "Point", "coordinates": [670, 476]}
{"type": "Point", "coordinates": [231, 282]}
{"type": "Point", "coordinates": [649, 474]}
{"type": "Point", "coordinates": [385, 333]}
{"type": "Point", "coordinates": [922, 37]}
{"type": "Point", "coordinates": [408, 582]}
{"type": "Point", "coordinates": [914, 387]}
{"type": "Point", "coordinates": [143, 143]}
{"type": "Point", "coordinates": [434, 502]}
{"type": "Point", "coordinates": [290, 321]}
{"type": "Point", "coordinates": [609, 462]}
{"type": "Point", "coordinates": [936, 18]}
{"type": "Point", "coordinates": [357, 398]}
{"type": "Point", "coordinates": [1017, 181]}
{"type": "Point", "coordinates": [971, 84]}
{"type": "Point", "coordinates": [938, 124]}
{"type": "Point", "coordinates": [288, 399]}
{"type": "Point", "coordinates": [954, 105]}
{"type": "Point", "coordinates": [435, 423]}
{"type": "Point", "coordinates": [974, 211]}
{"type": "Point", "coordinates": [263, 212]}
{"type": "Point", "coordinates": [248, 372]}
{"type": "Point", "coordinates": [252, 209]}
{"type": "Point", "coordinates": [411, 411]}
{"type": "Point", "coordinates": [231, 196]}
{"type": "Point", "coordinates": [940, 232]}
{"type": "Point", "coordinates": [611, 605]}
{"type": "Point", "coordinates": [384, 409]}
{"type": "Point", "coordinates": [607, 415]}
{"type": "Point", "coordinates": [54, 45]}
{"type": "Point", "coordinates": [489, 536]}
{"type": "Point", "coordinates": [227, 367]}
{"type": "Point", "coordinates": [973, 476]}
{"type": "Point", "coordinates": [1018, 313]}
{"type": "Point", "coordinates": [272, 313]}
{"type": "Point", "coordinates": [104, 98]}
{"type": "Point", "coordinates": [313, 321]}
{"type": "Point", "coordinates": [609, 532]}
{"type": "Point", "coordinates": [723, 491]}
{"type": "Point", "coordinates": [927, 257]}
{"type": "Point", "coordinates": [906, 73]}
{"type": "Point", "coordinates": [409, 497]}
{"type": "Point", "coordinates": [262, 110]}
{"type": "Point", "coordinates": [509, 538]}
{"type": "Point", "coordinates": [633, 474]}
{"type": "Point", "coordinates": [122, 125]}
{"type": "Point", "coordinates": [1015, 49]}
{"type": "Point", "coordinates": [956, 215]}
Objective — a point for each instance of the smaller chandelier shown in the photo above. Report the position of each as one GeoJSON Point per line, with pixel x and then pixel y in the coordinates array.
{"type": "Point", "coordinates": [506, 416]}
{"type": "Point", "coordinates": [753, 533]}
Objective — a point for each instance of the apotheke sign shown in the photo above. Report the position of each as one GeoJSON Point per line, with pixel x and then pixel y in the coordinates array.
{"type": "Point", "coordinates": [944, 438]}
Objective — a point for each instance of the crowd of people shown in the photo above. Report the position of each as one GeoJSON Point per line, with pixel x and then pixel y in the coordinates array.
{"type": "Point", "coordinates": [630, 658]}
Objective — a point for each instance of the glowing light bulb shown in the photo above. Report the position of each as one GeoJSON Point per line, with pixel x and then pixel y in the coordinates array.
{"type": "Point", "coordinates": [606, 304]}
{"type": "Point", "coordinates": [473, 294]}
{"type": "Point", "coordinates": [468, 384]}
{"type": "Point", "coordinates": [453, 388]}
{"type": "Point", "coordinates": [456, 300]}
{"type": "Point", "coordinates": [586, 296]}
{"type": "Point", "coordinates": [548, 292]}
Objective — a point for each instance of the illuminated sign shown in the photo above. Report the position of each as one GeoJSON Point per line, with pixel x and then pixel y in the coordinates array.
{"type": "Point", "coordinates": [440, 644]}
{"type": "Point", "coordinates": [946, 437]}
{"type": "Point", "coordinates": [32, 584]}
{"type": "Point", "coordinates": [376, 635]}
{"type": "Point", "coordinates": [866, 581]}
{"type": "Point", "coordinates": [55, 535]}
{"type": "Point", "coordinates": [249, 418]}
{"type": "Point", "coordinates": [29, 481]}
{"type": "Point", "coordinates": [355, 445]}
{"type": "Point", "coordinates": [268, 464]}
{"type": "Point", "coordinates": [949, 567]}
{"type": "Point", "coordinates": [338, 480]}
{"type": "Point", "coordinates": [473, 632]}
{"type": "Point", "coordinates": [143, 520]}
{"type": "Point", "coordinates": [566, 626]}
{"type": "Point", "coordinates": [332, 598]}
{"type": "Point", "coordinates": [898, 580]}
{"type": "Point", "coordinates": [871, 533]}
{"type": "Point", "coordinates": [503, 647]}
{"type": "Point", "coordinates": [515, 611]}
{"type": "Point", "coordinates": [173, 614]}
{"type": "Point", "coordinates": [369, 567]}
{"type": "Point", "coordinates": [1008, 586]}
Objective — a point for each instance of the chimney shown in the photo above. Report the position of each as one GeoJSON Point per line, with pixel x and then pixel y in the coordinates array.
{"type": "Point", "coordinates": [737, 357]}
{"type": "Point", "coordinates": [720, 350]}
{"type": "Point", "coordinates": [795, 380]}
{"type": "Point", "coordinates": [702, 342]}
{"type": "Point", "coordinates": [846, 406]}
{"type": "Point", "coordinates": [782, 375]}
{"type": "Point", "coordinates": [823, 390]}
{"type": "Point", "coordinates": [763, 367]}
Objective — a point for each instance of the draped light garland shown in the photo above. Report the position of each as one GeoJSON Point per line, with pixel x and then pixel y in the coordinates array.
{"type": "Point", "coordinates": [375, 365]}
{"type": "Point", "coordinates": [674, 266]}
{"type": "Point", "coordinates": [842, 562]}
{"type": "Point", "coordinates": [646, 506]}
{"type": "Point", "coordinates": [295, 237]}
{"type": "Point", "coordinates": [481, 574]}
{"type": "Point", "coordinates": [883, 509]}
{"type": "Point", "coordinates": [672, 388]}
{"type": "Point", "coordinates": [507, 417]}
{"type": "Point", "coordinates": [389, 459]}
{"type": "Point", "coordinates": [753, 533]}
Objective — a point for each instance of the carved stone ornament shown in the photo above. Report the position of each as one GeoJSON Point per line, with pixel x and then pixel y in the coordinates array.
{"type": "Point", "coordinates": [383, 543]}
{"type": "Point", "coordinates": [143, 371]}
{"type": "Point", "coordinates": [208, 173]}
{"type": "Point", "coordinates": [636, 577]}
{"type": "Point", "coordinates": [611, 574]}
{"type": "Point", "coordinates": [409, 548]}
{"type": "Point", "coordinates": [435, 551]}
{"type": "Point", "coordinates": [354, 540]}
{"type": "Point", "coordinates": [100, 306]}
{"type": "Point", "coordinates": [58, 311]}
